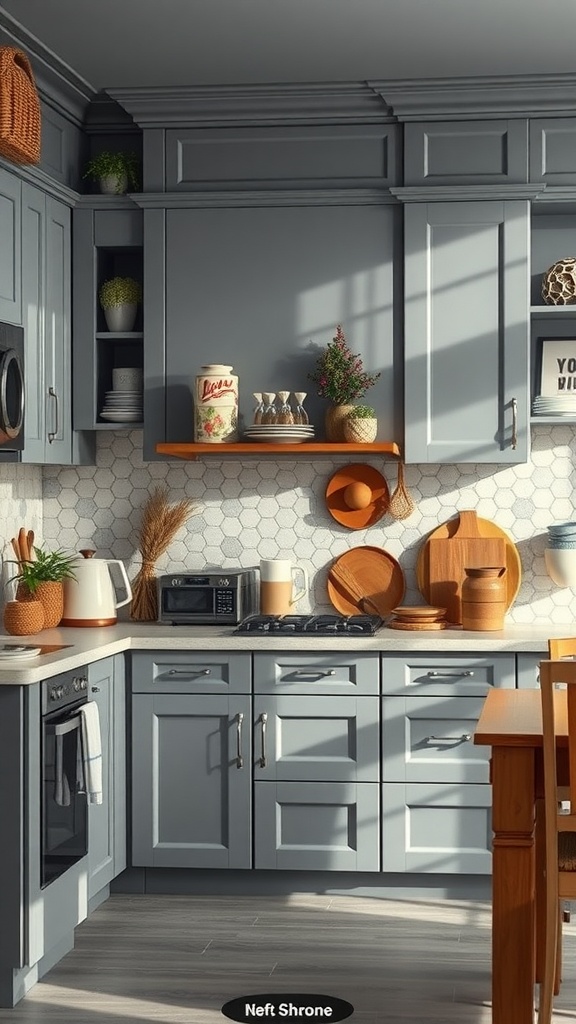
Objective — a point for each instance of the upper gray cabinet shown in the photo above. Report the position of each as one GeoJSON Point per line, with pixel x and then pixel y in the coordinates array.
{"type": "Point", "coordinates": [10, 241]}
{"type": "Point", "coordinates": [553, 151]}
{"type": "Point", "coordinates": [340, 155]}
{"type": "Point", "coordinates": [467, 331]}
{"type": "Point", "coordinates": [466, 152]}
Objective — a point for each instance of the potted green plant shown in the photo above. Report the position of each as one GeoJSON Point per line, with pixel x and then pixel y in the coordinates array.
{"type": "Point", "coordinates": [340, 376]}
{"type": "Point", "coordinates": [113, 171]}
{"type": "Point", "coordinates": [361, 425]}
{"type": "Point", "coordinates": [41, 579]}
{"type": "Point", "coordinates": [119, 298]}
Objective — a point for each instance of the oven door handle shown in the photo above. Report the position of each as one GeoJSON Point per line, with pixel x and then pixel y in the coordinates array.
{"type": "Point", "coordinates": [68, 726]}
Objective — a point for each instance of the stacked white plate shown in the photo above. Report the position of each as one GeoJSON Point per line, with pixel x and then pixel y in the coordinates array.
{"type": "Point", "coordinates": [11, 652]}
{"type": "Point", "coordinates": [122, 407]}
{"type": "Point", "coordinates": [279, 433]}
{"type": "Point", "coordinates": [555, 405]}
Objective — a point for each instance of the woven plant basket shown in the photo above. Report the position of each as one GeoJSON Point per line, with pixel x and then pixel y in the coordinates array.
{"type": "Point", "coordinates": [50, 594]}
{"type": "Point", "coordinates": [23, 617]}
{"type": "Point", "coordinates": [360, 431]}
{"type": "Point", "coordinates": [19, 108]}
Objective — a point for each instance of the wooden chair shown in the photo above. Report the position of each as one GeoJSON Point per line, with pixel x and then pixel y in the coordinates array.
{"type": "Point", "coordinates": [560, 822]}
{"type": "Point", "coordinates": [562, 647]}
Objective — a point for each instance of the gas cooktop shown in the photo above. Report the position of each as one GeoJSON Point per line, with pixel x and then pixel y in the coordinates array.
{"type": "Point", "coordinates": [320, 625]}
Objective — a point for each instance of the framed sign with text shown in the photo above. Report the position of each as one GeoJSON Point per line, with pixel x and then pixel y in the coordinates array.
{"type": "Point", "coordinates": [558, 367]}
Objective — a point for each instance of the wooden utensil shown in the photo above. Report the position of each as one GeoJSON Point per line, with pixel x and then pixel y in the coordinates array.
{"type": "Point", "coordinates": [16, 551]}
{"type": "Point", "coordinates": [23, 544]}
{"type": "Point", "coordinates": [449, 557]}
{"type": "Point", "coordinates": [30, 540]}
{"type": "Point", "coordinates": [378, 575]}
{"type": "Point", "coordinates": [341, 576]}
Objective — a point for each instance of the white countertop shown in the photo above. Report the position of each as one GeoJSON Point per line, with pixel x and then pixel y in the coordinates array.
{"type": "Point", "coordinates": [86, 645]}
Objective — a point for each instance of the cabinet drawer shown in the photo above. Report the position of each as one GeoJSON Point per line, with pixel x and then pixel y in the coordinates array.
{"type": "Point", "coordinates": [316, 740]}
{"type": "Point", "coordinates": [323, 826]}
{"type": "Point", "coordinates": [466, 152]}
{"type": "Point", "coordinates": [447, 674]}
{"type": "Point", "coordinates": [317, 673]}
{"type": "Point", "coordinates": [190, 672]}
{"type": "Point", "coordinates": [436, 828]}
{"type": "Point", "coordinates": [431, 738]}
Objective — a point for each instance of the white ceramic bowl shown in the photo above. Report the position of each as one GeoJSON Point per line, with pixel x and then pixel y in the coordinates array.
{"type": "Point", "coordinates": [561, 565]}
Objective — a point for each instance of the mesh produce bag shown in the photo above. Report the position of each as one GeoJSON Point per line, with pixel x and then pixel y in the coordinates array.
{"type": "Point", "coordinates": [19, 108]}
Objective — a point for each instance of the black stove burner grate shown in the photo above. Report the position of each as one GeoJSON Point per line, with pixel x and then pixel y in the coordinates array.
{"type": "Point", "coordinates": [320, 625]}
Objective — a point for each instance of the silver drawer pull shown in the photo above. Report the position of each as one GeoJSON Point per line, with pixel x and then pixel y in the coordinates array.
{"type": "Point", "coordinates": [263, 720]}
{"type": "Point", "coordinates": [315, 672]}
{"type": "Point", "coordinates": [239, 757]}
{"type": "Point", "coordinates": [435, 675]}
{"type": "Point", "coordinates": [189, 672]}
{"type": "Point", "coordinates": [464, 738]}
{"type": "Point", "coordinates": [53, 434]}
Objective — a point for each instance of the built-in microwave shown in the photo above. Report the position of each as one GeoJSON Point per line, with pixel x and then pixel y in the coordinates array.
{"type": "Point", "coordinates": [212, 598]}
{"type": "Point", "coordinates": [12, 392]}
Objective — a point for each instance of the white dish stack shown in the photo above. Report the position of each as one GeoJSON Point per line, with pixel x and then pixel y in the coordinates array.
{"type": "Point", "coordinates": [124, 404]}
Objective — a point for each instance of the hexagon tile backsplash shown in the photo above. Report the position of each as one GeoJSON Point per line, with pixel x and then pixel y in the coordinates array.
{"type": "Point", "coordinates": [255, 508]}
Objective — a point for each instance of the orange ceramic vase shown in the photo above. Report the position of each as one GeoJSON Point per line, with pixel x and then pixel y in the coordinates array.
{"type": "Point", "coordinates": [484, 595]}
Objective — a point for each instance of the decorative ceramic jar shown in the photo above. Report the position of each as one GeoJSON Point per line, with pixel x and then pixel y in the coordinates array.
{"type": "Point", "coordinates": [559, 283]}
{"type": "Point", "coordinates": [334, 421]}
{"type": "Point", "coordinates": [484, 594]}
{"type": "Point", "coordinates": [23, 617]}
{"type": "Point", "coordinates": [216, 404]}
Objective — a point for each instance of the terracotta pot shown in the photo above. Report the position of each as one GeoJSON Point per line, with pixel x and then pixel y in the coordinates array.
{"type": "Point", "coordinates": [357, 431]}
{"type": "Point", "coordinates": [23, 617]}
{"type": "Point", "coordinates": [484, 598]}
{"type": "Point", "coordinates": [334, 421]}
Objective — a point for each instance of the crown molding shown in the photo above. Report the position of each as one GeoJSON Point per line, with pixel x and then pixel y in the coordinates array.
{"type": "Point", "coordinates": [251, 105]}
{"type": "Point", "coordinates": [100, 201]}
{"type": "Point", "coordinates": [57, 83]}
{"type": "Point", "coordinates": [276, 197]}
{"type": "Point", "coordinates": [34, 176]}
{"type": "Point", "coordinates": [456, 193]}
{"type": "Point", "coordinates": [434, 99]}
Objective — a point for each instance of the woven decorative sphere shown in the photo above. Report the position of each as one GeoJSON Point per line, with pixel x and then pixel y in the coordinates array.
{"type": "Point", "coordinates": [559, 283]}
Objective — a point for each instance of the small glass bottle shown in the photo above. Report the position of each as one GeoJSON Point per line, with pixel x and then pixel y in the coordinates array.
{"type": "Point", "coordinates": [285, 414]}
{"type": "Point", "coordinates": [300, 414]}
{"type": "Point", "coordinates": [270, 412]}
{"type": "Point", "coordinates": [259, 410]}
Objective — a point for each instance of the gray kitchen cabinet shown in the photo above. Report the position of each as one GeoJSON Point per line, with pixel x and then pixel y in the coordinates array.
{"type": "Point", "coordinates": [323, 826]}
{"type": "Point", "coordinates": [191, 780]}
{"type": "Point", "coordinates": [107, 821]}
{"type": "Point", "coordinates": [528, 670]}
{"type": "Point", "coordinates": [333, 674]}
{"type": "Point", "coordinates": [470, 152]}
{"type": "Point", "coordinates": [191, 672]}
{"type": "Point", "coordinates": [553, 152]}
{"type": "Point", "coordinates": [106, 243]}
{"type": "Point", "coordinates": [466, 331]}
{"type": "Point", "coordinates": [46, 295]}
{"type": "Point", "coordinates": [10, 248]}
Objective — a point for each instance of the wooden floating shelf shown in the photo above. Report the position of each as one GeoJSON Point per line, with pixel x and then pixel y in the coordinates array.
{"type": "Point", "coordinates": [194, 451]}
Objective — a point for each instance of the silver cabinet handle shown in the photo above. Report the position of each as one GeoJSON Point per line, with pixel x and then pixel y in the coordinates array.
{"type": "Point", "coordinates": [189, 672]}
{"type": "Point", "coordinates": [307, 671]}
{"type": "Point", "coordinates": [263, 721]}
{"type": "Point", "coordinates": [453, 739]}
{"type": "Point", "coordinates": [52, 435]}
{"type": "Point", "coordinates": [95, 689]}
{"type": "Point", "coordinates": [514, 423]}
{"type": "Point", "coordinates": [239, 757]}
{"type": "Point", "coordinates": [434, 675]}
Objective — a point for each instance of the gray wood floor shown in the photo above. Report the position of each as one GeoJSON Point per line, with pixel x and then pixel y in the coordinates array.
{"type": "Point", "coordinates": [178, 959]}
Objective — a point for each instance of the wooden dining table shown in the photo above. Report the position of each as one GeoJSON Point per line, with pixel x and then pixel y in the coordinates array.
{"type": "Point", "coordinates": [511, 724]}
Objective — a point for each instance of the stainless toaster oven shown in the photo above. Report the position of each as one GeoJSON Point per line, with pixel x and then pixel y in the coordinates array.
{"type": "Point", "coordinates": [217, 597]}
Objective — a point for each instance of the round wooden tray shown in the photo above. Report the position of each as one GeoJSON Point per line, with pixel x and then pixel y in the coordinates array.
{"type": "Point", "coordinates": [357, 518]}
{"type": "Point", "coordinates": [395, 624]}
{"type": "Point", "coordinates": [487, 529]}
{"type": "Point", "coordinates": [379, 577]}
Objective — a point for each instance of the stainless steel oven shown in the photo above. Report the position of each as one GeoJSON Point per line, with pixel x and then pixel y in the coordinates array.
{"type": "Point", "coordinates": [12, 391]}
{"type": "Point", "coordinates": [64, 804]}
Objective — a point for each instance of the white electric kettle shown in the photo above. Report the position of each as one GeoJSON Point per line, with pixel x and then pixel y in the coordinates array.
{"type": "Point", "coordinates": [90, 598]}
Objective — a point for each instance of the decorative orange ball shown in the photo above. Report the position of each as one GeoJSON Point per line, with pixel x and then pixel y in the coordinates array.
{"type": "Point", "coordinates": [357, 495]}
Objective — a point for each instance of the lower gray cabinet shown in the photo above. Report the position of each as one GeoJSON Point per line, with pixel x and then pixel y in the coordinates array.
{"type": "Point", "coordinates": [191, 780]}
{"type": "Point", "coordinates": [436, 828]}
{"type": "Point", "coordinates": [323, 826]}
{"type": "Point", "coordinates": [107, 821]}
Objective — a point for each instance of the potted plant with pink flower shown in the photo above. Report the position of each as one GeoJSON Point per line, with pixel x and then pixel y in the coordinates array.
{"type": "Point", "coordinates": [340, 376]}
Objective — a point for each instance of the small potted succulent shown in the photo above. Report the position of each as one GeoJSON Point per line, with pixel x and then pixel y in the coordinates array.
{"type": "Point", "coordinates": [119, 298]}
{"type": "Point", "coordinates": [41, 579]}
{"type": "Point", "coordinates": [114, 172]}
{"type": "Point", "coordinates": [361, 425]}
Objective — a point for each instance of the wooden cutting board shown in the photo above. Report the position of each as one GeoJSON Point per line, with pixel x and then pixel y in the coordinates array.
{"type": "Point", "coordinates": [448, 558]}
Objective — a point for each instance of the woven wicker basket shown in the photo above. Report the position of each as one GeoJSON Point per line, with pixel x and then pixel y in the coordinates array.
{"type": "Point", "coordinates": [19, 108]}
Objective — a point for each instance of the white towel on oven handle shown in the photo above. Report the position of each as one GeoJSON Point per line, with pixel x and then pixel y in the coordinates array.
{"type": "Point", "coordinates": [91, 751]}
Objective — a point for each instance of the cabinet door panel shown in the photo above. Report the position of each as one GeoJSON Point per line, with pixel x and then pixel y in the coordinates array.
{"type": "Point", "coordinates": [57, 333]}
{"type": "Point", "coordinates": [34, 297]}
{"type": "Point", "coordinates": [191, 800]}
{"type": "Point", "coordinates": [314, 673]}
{"type": "Point", "coordinates": [190, 672]}
{"type": "Point", "coordinates": [436, 828]}
{"type": "Point", "coordinates": [316, 826]}
{"type": "Point", "coordinates": [427, 738]}
{"type": "Point", "coordinates": [10, 248]}
{"type": "Point", "coordinates": [314, 740]}
{"type": "Point", "coordinates": [467, 331]}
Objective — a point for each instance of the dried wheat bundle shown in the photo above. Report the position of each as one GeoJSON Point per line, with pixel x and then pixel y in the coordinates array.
{"type": "Point", "coordinates": [160, 522]}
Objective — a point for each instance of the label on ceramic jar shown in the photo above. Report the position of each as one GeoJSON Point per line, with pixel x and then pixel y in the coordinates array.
{"type": "Point", "coordinates": [216, 405]}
